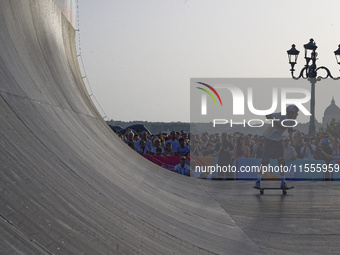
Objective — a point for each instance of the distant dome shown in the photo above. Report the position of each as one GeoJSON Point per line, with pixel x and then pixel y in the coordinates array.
{"type": "Point", "coordinates": [332, 110]}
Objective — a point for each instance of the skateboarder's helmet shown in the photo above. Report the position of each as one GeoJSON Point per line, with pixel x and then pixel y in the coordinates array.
{"type": "Point", "coordinates": [292, 108]}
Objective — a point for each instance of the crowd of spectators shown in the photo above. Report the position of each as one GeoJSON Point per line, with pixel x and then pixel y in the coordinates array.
{"type": "Point", "coordinates": [175, 144]}
{"type": "Point", "coordinates": [228, 147]}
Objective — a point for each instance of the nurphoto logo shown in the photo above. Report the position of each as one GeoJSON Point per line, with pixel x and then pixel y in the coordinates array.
{"type": "Point", "coordinates": [239, 99]}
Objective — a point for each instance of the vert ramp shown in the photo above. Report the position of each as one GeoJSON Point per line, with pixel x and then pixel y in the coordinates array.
{"type": "Point", "coordinates": [68, 185]}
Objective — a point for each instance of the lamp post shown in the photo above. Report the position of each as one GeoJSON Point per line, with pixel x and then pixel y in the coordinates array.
{"type": "Point", "coordinates": [310, 72]}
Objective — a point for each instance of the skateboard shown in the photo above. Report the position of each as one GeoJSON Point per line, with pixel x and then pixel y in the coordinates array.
{"type": "Point", "coordinates": [284, 191]}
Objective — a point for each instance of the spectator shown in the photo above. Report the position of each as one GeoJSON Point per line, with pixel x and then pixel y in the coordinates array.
{"type": "Point", "coordinates": [182, 150]}
{"type": "Point", "coordinates": [183, 133]}
{"type": "Point", "coordinates": [289, 151]}
{"type": "Point", "coordinates": [211, 138]}
{"type": "Point", "coordinates": [241, 150]}
{"type": "Point", "coordinates": [204, 140]}
{"type": "Point", "coordinates": [225, 156]}
{"type": "Point", "coordinates": [336, 149]}
{"type": "Point", "coordinates": [258, 147]}
{"type": "Point", "coordinates": [208, 150]}
{"type": "Point", "coordinates": [173, 141]}
{"type": "Point", "coordinates": [162, 143]}
{"type": "Point", "coordinates": [308, 150]}
{"type": "Point", "coordinates": [147, 142]}
{"type": "Point", "coordinates": [159, 151]}
{"type": "Point", "coordinates": [248, 142]}
{"type": "Point", "coordinates": [325, 153]}
{"type": "Point", "coordinates": [317, 141]}
{"type": "Point", "coordinates": [182, 168]}
{"type": "Point", "coordinates": [231, 139]}
{"type": "Point", "coordinates": [142, 149]}
{"type": "Point", "coordinates": [168, 150]}
{"type": "Point", "coordinates": [130, 136]}
{"type": "Point", "coordinates": [186, 139]}
{"type": "Point", "coordinates": [298, 144]}
{"type": "Point", "coordinates": [157, 145]}
{"type": "Point", "coordinates": [161, 139]}
{"type": "Point", "coordinates": [196, 148]}
{"type": "Point", "coordinates": [178, 135]}
{"type": "Point", "coordinates": [131, 145]}
{"type": "Point", "coordinates": [152, 139]}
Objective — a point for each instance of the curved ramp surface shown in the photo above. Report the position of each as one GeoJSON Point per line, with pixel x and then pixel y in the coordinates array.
{"type": "Point", "coordinates": [68, 185]}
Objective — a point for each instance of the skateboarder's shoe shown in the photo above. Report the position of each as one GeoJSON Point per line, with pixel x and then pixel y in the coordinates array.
{"type": "Point", "coordinates": [283, 185]}
{"type": "Point", "coordinates": [257, 185]}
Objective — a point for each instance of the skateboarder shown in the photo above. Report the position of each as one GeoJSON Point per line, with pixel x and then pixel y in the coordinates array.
{"type": "Point", "coordinates": [273, 147]}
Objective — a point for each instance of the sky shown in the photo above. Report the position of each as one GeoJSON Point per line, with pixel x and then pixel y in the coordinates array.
{"type": "Point", "coordinates": [139, 55]}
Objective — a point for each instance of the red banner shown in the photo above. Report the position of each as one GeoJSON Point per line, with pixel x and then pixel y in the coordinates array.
{"type": "Point", "coordinates": [168, 162]}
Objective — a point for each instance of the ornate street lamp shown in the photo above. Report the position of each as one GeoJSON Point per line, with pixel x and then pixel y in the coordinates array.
{"type": "Point", "coordinates": [337, 55]}
{"type": "Point", "coordinates": [293, 56]}
{"type": "Point", "coordinates": [310, 72]}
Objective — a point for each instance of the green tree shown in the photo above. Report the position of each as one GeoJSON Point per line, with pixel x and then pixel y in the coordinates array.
{"type": "Point", "coordinates": [333, 128]}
